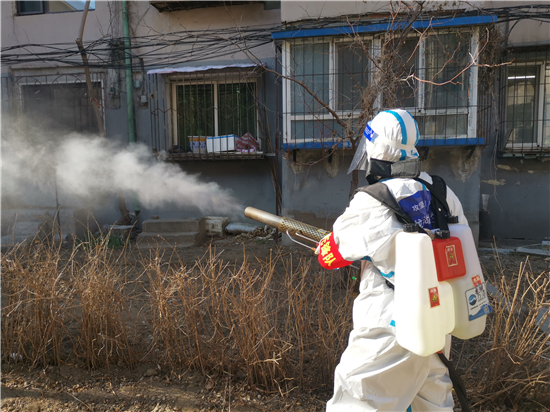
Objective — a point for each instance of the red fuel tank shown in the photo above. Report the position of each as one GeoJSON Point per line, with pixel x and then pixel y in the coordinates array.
{"type": "Point", "coordinates": [449, 258]}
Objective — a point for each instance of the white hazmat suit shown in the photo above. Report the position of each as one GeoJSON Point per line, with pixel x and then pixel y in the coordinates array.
{"type": "Point", "coordinates": [375, 373]}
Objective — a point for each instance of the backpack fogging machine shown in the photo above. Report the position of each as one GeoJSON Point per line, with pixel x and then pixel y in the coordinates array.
{"type": "Point", "coordinates": [289, 226]}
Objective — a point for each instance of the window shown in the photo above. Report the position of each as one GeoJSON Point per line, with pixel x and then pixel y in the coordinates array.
{"type": "Point", "coordinates": [60, 107]}
{"type": "Point", "coordinates": [214, 107]}
{"type": "Point", "coordinates": [41, 7]}
{"type": "Point", "coordinates": [441, 102]}
{"type": "Point", "coordinates": [527, 124]}
{"type": "Point", "coordinates": [337, 71]}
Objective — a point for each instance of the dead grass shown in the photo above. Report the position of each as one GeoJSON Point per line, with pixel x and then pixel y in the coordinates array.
{"type": "Point", "coordinates": [510, 363]}
{"type": "Point", "coordinates": [278, 331]}
{"type": "Point", "coordinates": [278, 324]}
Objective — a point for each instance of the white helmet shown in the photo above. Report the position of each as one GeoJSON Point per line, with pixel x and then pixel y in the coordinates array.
{"type": "Point", "coordinates": [390, 136]}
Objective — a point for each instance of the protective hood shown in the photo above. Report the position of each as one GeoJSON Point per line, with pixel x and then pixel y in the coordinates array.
{"type": "Point", "coordinates": [391, 136]}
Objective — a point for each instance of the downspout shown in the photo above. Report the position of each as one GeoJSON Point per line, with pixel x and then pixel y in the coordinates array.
{"type": "Point", "coordinates": [129, 85]}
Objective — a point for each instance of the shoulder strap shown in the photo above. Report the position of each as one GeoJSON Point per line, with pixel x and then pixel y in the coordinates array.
{"type": "Point", "coordinates": [458, 383]}
{"type": "Point", "coordinates": [381, 193]}
{"type": "Point", "coordinates": [438, 189]}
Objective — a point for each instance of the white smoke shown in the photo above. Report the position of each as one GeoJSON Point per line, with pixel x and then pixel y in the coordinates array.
{"type": "Point", "coordinates": [88, 169]}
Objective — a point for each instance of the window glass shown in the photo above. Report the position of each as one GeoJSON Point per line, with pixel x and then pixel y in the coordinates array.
{"type": "Point", "coordinates": [61, 6]}
{"type": "Point", "coordinates": [195, 111]}
{"type": "Point", "coordinates": [39, 7]}
{"type": "Point", "coordinates": [521, 97]}
{"type": "Point", "coordinates": [404, 66]}
{"type": "Point", "coordinates": [62, 107]}
{"type": "Point", "coordinates": [30, 7]}
{"type": "Point", "coordinates": [327, 130]}
{"type": "Point", "coordinates": [237, 108]}
{"type": "Point", "coordinates": [352, 75]}
{"type": "Point", "coordinates": [442, 126]}
{"type": "Point", "coordinates": [446, 56]}
{"type": "Point", "coordinates": [309, 64]}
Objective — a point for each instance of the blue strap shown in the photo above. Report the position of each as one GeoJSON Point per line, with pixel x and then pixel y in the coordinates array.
{"type": "Point", "coordinates": [409, 409]}
{"type": "Point", "coordinates": [402, 124]}
{"type": "Point", "coordinates": [387, 275]}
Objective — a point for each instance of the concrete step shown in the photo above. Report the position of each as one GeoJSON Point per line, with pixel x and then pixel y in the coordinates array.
{"type": "Point", "coordinates": [175, 225]}
{"type": "Point", "coordinates": [148, 240]}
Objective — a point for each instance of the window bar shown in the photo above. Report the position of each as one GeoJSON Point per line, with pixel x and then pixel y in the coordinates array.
{"type": "Point", "coordinates": [149, 107]}
{"type": "Point", "coordinates": [332, 74]}
{"type": "Point", "coordinates": [539, 106]}
{"type": "Point", "coordinates": [242, 119]}
{"type": "Point", "coordinates": [158, 97]}
{"type": "Point", "coordinates": [473, 86]}
{"type": "Point", "coordinates": [225, 81]}
{"type": "Point", "coordinates": [158, 100]}
{"type": "Point", "coordinates": [376, 51]}
{"type": "Point", "coordinates": [206, 108]}
{"type": "Point", "coordinates": [287, 95]}
{"type": "Point", "coordinates": [420, 101]}
{"type": "Point", "coordinates": [304, 79]}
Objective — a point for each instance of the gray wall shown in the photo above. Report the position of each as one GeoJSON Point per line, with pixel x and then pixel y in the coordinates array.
{"type": "Point", "coordinates": [519, 189]}
{"type": "Point", "coordinates": [318, 194]}
{"type": "Point", "coordinates": [249, 181]}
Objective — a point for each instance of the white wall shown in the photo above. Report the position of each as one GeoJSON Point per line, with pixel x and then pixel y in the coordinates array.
{"type": "Point", "coordinates": [292, 11]}
{"type": "Point", "coordinates": [106, 21]}
{"type": "Point", "coordinates": [524, 32]}
{"type": "Point", "coordinates": [51, 27]}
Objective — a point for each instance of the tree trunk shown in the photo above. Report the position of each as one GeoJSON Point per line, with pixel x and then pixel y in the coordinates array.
{"type": "Point", "coordinates": [354, 183]}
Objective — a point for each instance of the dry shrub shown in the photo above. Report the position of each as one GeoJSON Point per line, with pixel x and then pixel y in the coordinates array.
{"type": "Point", "coordinates": [510, 362]}
{"type": "Point", "coordinates": [280, 323]}
{"type": "Point", "coordinates": [106, 330]}
{"type": "Point", "coordinates": [37, 304]}
{"type": "Point", "coordinates": [278, 332]}
{"type": "Point", "coordinates": [59, 303]}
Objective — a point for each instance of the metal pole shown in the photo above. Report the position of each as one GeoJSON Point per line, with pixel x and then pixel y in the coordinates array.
{"type": "Point", "coordinates": [128, 63]}
{"type": "Point", "coordinates": [129, 85]}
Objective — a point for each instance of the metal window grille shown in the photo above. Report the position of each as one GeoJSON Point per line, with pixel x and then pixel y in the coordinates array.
{"type": "Point", "coordinates": [57, 103]}
{"type": "Point", "coordinates": [434, 81]}
{"type": "Point", "coordinates": [525, 102]}
{"type": "Point", "coordinates": [209, 114]}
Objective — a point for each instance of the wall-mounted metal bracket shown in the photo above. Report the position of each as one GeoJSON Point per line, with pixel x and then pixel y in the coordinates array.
{"type": "Point", "coordinates": [424, 154]}
{"type": "Point", "coordinates": [471, 152]}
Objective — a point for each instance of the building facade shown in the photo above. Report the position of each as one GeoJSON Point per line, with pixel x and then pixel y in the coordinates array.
{"type": "Point", "coordinates": [267, 98]}
{"type": "Point", "coordinates": [475, 76]}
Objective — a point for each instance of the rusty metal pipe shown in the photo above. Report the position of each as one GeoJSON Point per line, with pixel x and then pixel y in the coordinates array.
{"type": "Point", "coordinates": [285, 224]}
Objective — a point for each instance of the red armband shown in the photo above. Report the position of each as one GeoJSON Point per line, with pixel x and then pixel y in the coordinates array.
{"type": "Point", "coordinates": [329, 255]}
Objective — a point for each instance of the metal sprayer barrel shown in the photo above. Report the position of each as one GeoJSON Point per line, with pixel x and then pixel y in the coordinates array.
{"type": "Point", "coordinates": [285, 224]}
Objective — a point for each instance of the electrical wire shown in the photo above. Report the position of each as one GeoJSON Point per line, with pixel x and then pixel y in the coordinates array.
{"type": "Point", "coordinates": [162, 50]}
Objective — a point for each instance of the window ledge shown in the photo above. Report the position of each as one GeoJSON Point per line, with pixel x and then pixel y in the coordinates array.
{"type": "Point", "coordinates": [329, 144]}
{"type": "Point", "coordinates": [325, 144]}
{"type": "Point", "coordinates": [185, 157]}
{"type": "Point", "coordinates": [465, 141]}
{"type": "Point", "coordinates": [527, 155]}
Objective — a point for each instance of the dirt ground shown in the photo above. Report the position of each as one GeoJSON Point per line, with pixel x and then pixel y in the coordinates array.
{"type": "Point", "coordinates": [150, 388]}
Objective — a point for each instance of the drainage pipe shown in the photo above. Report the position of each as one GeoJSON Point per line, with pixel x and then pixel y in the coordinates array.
{"type": "Point", "coordinates": [129, 85]}
{"type": "Point", "coordinates": [129, 80]}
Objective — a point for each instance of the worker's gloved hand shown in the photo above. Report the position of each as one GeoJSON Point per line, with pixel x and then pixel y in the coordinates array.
{"type": "Point", "coordinates": [328, 255]}
{"type": "Point", "coordinates": [318, 250]}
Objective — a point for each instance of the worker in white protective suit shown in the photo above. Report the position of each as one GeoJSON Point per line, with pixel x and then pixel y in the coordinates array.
{"type": "Point", "coordinates": [375, 373]}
